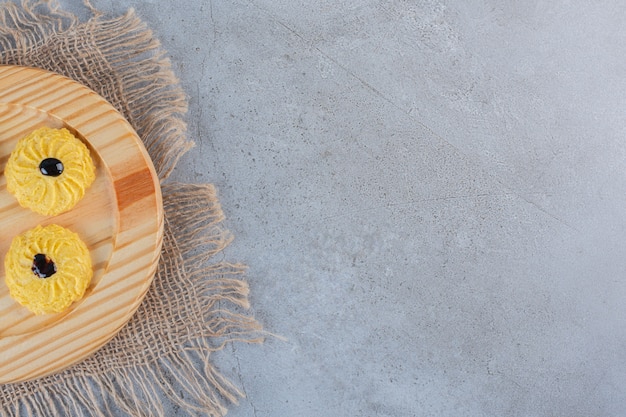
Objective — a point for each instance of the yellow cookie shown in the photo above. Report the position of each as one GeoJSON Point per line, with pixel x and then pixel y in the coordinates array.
{"type": "Point", "coordinates": [49, 171]}
{"type": "Point", "coordinates": [47, 269]}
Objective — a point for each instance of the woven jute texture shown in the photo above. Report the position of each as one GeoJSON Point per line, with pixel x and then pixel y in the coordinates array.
{"type": "Point", "coordinates": [196, 304]}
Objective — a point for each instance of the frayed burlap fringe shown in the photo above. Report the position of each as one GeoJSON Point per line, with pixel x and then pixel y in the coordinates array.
{"type": "Point", "coordinates": [193, 307]}
{"type": "Point", "coordinates": [118, 58]}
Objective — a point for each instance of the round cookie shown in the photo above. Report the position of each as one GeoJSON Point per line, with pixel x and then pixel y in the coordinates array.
{"type": "Point", "coordinates": [47, 269]}
{"type": "Point", "coordinates": [49, 171]}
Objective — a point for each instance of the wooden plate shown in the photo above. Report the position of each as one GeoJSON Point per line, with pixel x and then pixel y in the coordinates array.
{"type": "Point", "coordinates": [120, 219]}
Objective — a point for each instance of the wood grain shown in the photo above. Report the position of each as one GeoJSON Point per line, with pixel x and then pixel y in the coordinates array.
{"type": "Point", "coordinates": [120, 219]}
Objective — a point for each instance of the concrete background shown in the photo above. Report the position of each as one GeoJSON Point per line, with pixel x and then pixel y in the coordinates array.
{"type": "Point", "coordinates": [430, 196]}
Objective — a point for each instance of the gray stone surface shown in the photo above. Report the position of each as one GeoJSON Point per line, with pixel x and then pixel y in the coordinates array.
{"type": "Point", "coordinates": [430, 196]}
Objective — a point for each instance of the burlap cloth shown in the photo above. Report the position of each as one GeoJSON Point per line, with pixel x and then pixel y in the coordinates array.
{"type": "Point", "coordinates": [192, 308]}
